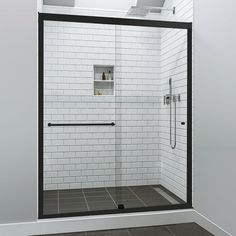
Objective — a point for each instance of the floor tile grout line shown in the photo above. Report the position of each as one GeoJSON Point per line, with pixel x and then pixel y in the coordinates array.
{"type": "Point", "coordinates": [129, 232]}
{"type": "Point", "coordinates": [71, 198]}
{"type": "Point", "coordinates": [111, 197]}
{"type": "Point", "coordinates": [85, 200]}
{"type": "Point", "coordinates": [137, 197]}
{"type": "Point", "coordinates": [58, 202]}
{"type": "Point", "coordinates": [169, 230]}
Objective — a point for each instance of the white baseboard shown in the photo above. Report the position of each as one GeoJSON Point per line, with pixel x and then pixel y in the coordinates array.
{"type": "Point", "coordinates": [103, 222]}
{"type": "Point", "coordinates": [77, 224]}
{"type": "Point", "coordinates": [209, 225]}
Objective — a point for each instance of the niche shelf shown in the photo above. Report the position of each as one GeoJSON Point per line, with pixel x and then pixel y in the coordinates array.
{"type": "Point", "coordinates": [103, 80]}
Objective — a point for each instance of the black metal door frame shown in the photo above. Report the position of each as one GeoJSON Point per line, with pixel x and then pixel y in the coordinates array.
{"type": "Point", "coordinates": [117, 21]}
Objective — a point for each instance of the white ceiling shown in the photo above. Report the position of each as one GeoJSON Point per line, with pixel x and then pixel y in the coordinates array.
{"type": "Point", "coordinates": [122, 5]}
{"type": "Point", "coordinates": [154, 3]}
{"type": "Point", "coordinates": [111, 8]}
{"type": "Point", "coordinates": [118, 5]}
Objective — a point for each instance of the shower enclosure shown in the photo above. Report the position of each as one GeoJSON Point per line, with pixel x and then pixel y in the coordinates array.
{"type": "Point", "coordinates": [115, 110]}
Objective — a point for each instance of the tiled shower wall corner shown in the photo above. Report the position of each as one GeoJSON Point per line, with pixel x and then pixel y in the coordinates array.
{"type": "Point", "coordinates": [84, 157]}
{"type": "Point", "coordinates": [174, 65]}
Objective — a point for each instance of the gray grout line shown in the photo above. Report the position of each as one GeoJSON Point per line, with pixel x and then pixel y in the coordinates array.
{"type": "Point", "coordinates": [85, 200]}
{"type": "Point", "coordinates": [111, 197]}
{"type": "Point", "coordinates": [170, 231]}
{"type": "Point", "coordinates": [58, 207]}
{"type": "Point", "coordinates": [137, 196]}
{"type": "Point", "coordinates": [129, 232]}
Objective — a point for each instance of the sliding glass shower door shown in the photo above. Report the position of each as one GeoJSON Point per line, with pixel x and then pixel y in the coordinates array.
{"type": "Point", "coordinates": [79, 117]}
{"type": "Point", "coordinates": [115, 100]}
{"type": "Point", "coordinates": [137, 59]}
{"type": "Point", "coordinates": [149, 172]}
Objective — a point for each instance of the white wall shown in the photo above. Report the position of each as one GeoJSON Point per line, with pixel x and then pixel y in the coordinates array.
{"type": "Point", "coordinates": [18, 103]}
{"type": "Point", "coordinates": [215, 114]}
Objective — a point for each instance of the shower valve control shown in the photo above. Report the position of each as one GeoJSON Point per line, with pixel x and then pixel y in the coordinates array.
{"type": "Point", "coordinates": [178, 98]}
{"type": "Point", "coordinates": [168, 98]}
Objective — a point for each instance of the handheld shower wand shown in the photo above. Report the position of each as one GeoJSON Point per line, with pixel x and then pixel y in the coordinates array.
{"type": "Point", "coordinates": [169, 99]}
{"type": "Point", "coordinates": [172, 100]}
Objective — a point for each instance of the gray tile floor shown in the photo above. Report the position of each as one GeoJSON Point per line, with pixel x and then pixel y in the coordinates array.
{"type": "Point", "coordinates": [188, 229]}
{"type": "Point", "coordinates": [95, 199]}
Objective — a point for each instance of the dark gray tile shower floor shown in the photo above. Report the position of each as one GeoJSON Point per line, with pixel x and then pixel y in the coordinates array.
{"type": "Point", "coordinates": [188, 229]}
{"type": "Point", "coordinates": [95, 199]}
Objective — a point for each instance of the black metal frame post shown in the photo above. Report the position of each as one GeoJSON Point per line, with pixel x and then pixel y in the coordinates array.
{"type": "Point", "coordinates": [117, 21]}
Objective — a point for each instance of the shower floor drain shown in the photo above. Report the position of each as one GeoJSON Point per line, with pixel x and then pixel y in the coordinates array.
{"type": "Point", "coordinates": [121, 206]}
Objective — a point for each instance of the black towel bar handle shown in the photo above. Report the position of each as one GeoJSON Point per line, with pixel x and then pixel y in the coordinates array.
{"type": "Point", "coordinates": [81, 124]}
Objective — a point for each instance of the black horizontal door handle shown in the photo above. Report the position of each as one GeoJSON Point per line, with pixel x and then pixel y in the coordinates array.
{"type": "Point", "coordinates": [81, 124]}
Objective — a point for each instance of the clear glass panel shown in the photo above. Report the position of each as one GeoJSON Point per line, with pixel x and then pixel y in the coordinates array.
{"type": "Point", "coordinates": [79, 155]}
{"type": "Point", "coordinates": [151, 144]}
{"type": "Point", "coordinates": [115, 117]}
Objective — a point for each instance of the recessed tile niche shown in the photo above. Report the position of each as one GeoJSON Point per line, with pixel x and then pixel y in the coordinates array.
{"type": "Point", "coordinates": [103, 80]}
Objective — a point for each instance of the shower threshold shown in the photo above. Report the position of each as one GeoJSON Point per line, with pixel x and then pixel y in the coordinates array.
{"type": "Point", "coordinates": [107, 198]}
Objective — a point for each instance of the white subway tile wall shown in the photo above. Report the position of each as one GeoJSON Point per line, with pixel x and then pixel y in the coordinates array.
{"type": "Point", "coordinates": [137, 104]}
{"type": "Point", "coordinates": [174, 65]}
{"type": "Point", "coordinates": [101, 156]}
